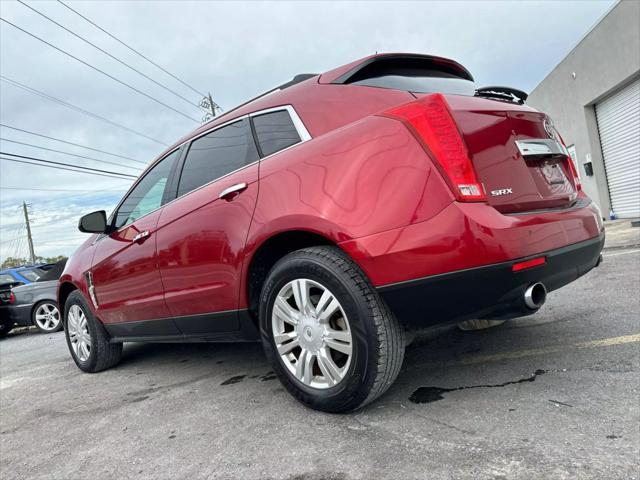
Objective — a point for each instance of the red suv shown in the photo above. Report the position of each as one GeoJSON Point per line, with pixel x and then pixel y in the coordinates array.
{"type": "Point", "coordinates": [330, 215]}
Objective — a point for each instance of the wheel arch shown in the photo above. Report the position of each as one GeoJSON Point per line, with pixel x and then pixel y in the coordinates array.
{"type": "Point", "coordinates": [268, 252]}
{"type": "Point", "coordinates": [64, 290]}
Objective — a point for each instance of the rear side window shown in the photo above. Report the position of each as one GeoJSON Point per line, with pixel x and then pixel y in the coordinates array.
{"type": "Point", "coordinates": [216, 154]}
{"type": "Point", "coordinates": [275, 131]}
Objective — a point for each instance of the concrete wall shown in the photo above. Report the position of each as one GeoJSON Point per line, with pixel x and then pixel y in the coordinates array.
{"type": "Point", "coordinates": [605, 60]}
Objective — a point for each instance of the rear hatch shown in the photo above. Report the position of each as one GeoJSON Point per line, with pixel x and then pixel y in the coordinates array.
{"type": "Point", "coordinates": [522, 165]}
{"type": "Point", "coordinates": [516, 153]}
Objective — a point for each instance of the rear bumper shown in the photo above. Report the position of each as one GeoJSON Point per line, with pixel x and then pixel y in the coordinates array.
{"type": "Point", "coordinates": [492, 291]}
{"type": "Point", "coordinates": [20, 314]}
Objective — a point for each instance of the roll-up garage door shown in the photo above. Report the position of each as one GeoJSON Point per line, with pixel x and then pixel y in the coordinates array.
{"type": "Point", "coordinates": [619, 126]}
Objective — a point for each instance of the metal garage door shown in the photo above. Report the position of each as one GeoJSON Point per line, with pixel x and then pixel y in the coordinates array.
{"type": "Point", "coordinates": [619, 125]}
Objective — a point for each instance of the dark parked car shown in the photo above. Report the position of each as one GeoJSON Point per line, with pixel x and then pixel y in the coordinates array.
{"type": "Point", "coordinates": [329, 215]}
{"type": "Point", "coordinates": [35, 303]}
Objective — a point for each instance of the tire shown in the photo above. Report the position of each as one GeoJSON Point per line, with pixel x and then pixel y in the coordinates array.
{"type": "Point", "coordinates": [100, 354]}
{"type": "Point", "coordinates": [46, 316]}
{"type": "Point", "coordinates": [376, 338]}
{"type": "Point", "coordinates": [5, 327]}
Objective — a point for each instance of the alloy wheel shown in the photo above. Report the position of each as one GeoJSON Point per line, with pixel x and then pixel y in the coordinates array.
{"type": "Point", "coordinates": [47, 316]}
{"type": "Point", "coordinates": [312, 334]}
{"type": "Point", "coordinates": [79, 335]}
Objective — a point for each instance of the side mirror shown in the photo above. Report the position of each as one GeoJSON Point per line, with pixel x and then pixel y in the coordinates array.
{"type": "Point", "coordinates": [95, 222]}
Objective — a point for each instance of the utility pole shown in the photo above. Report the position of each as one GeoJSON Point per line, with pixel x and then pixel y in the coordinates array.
{"type": "Point", "coordinates": [26, 221]}
{"type": "Point", "coordinates": [208, 103]}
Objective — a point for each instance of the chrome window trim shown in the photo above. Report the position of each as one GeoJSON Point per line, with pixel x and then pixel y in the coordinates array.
{"type": "Point", "coordinates": [304, 134]}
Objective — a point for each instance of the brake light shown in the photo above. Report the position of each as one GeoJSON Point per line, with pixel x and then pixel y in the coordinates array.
{"type": "Point", "coordinates": [534, 262]}
{"type": "Point", "coordinates": [431, 122]}
{"type": "Point", "coordinates": [571, 166]}
{"type": "Point", "coordinates": [574, 172]}
{"type": "Point", "coordinates": [12, 297]}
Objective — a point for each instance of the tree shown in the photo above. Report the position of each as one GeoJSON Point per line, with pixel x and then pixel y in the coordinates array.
{"type": "Point", "coordinates": [12, 262]}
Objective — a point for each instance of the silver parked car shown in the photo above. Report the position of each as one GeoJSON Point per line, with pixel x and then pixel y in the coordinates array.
{"type": "Point", "coordinates": [35, 303]}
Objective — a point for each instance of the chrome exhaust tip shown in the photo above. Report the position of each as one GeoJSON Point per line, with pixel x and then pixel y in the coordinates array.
{"type": "Point", "coordinates": [535, 296]}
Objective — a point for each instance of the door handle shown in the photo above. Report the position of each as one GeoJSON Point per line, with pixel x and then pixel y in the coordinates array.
{"type": "Point", "coordinates": [232, 191]}
{"type": "Point", "coordinates": [141, 236]}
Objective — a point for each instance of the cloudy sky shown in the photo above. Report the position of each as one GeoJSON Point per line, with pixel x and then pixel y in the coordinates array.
{"type": "Point", "coordinates": [235, 50]}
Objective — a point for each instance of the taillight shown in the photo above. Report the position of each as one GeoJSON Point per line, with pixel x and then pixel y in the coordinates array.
{"type": "Point", "coordinates": [431, 122]}
{"type": "Point", "coordinates": [574, 172]}
{"type": "Point", "coordinates": [12, 297]}
{"type": "Point", "coordinates": [569, 164]}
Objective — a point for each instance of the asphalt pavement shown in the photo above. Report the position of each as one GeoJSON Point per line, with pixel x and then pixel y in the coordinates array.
{"type": "Point", "coordinates": [555, 395]}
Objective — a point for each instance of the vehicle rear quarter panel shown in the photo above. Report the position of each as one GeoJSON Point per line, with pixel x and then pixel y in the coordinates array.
{"type": "Point", "coordinates": [369, 177]}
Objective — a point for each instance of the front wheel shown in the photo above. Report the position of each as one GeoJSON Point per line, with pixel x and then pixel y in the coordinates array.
{"type": "Point", "coordinates": [87, 339]}
{"type": "Point", "coordinates": [330, 338]}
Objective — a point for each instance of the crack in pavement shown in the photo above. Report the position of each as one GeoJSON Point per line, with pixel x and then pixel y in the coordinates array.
{"type": "Point", "coordinates": [433, 394]}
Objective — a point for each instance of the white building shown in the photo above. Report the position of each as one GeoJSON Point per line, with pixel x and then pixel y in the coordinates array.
{"type": "Point", "coordinates": [593, 97]}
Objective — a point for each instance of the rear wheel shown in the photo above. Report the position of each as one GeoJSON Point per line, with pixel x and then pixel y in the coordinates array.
{"type": "Point", "coordinates": [46, 317]}
{"type": "Point", "coordinates": [87, 340]}
{"type": "Point", "coordinates": [331, 339]}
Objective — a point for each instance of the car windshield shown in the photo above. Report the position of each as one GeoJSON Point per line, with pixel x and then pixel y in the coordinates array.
{"type": "Point", "coordinates": [6, 278]}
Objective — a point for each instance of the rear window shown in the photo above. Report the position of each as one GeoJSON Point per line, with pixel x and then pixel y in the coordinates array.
{"type": "Point", "coordinates": [422, 84]}
{"type": "Point", "coordinates": [420, 75]}
{"type": "Point", "coordinates": [31, 275]}
{"type": "Point", "coordinates": [275, 131]}
{"type": "Point", "coordinates": [5, 279]}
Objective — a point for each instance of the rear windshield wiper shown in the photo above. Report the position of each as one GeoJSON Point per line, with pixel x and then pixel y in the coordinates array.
{"type": "Point", "coordinates": [502, 93]}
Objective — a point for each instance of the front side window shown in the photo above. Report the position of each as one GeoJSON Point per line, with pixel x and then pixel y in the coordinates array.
{"type": "Point", "coordinates": [147, 194]}
{"type": "Point", "coordinates": [275, 131]}
{"type": "Point", "coordinates": [216, 154]}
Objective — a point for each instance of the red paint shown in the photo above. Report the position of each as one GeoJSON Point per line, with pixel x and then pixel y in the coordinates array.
{"type": "Point", "coordinates": [365, 182]}
{"type": "Point", "coordinates": [125, 274]}
{"type": "Point", "coordinates": [534, 262]}
{"type": "Point", "coordinates": [200, 245]}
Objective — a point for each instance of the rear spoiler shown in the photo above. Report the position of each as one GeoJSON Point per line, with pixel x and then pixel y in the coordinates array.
{"type": "Point", "coordinates": [502, 93]}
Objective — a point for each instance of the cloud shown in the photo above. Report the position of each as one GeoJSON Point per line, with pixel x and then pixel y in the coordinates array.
{"type": "Point", "coordinates": [234, 50]}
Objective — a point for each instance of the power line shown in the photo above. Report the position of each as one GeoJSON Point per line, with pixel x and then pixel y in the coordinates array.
{"type": "Point", "coordinates": [57, 190]}
{"type": "Point", "coordinates": [68, 165]}
{"type": "Point", "coordinates": [110, 55]}
{"type": "Point", "coordinates": [71, 143]}
{"type": "Point", "coordinates": [132, 49]}
{"type": "Point", "coordinates": [87, 169]}
{"type": "Point", "coordinates": [67, 153]}
{"type": "Point", "coordinates": [100, 71]}
{"type": "Point", "coordinates": [76, 108]}
{"type": "Point", "coordinates": [57, 168]}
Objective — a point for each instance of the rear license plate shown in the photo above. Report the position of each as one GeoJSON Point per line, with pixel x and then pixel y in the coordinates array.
{"type": "Point", "coordinates": [553, 174]}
